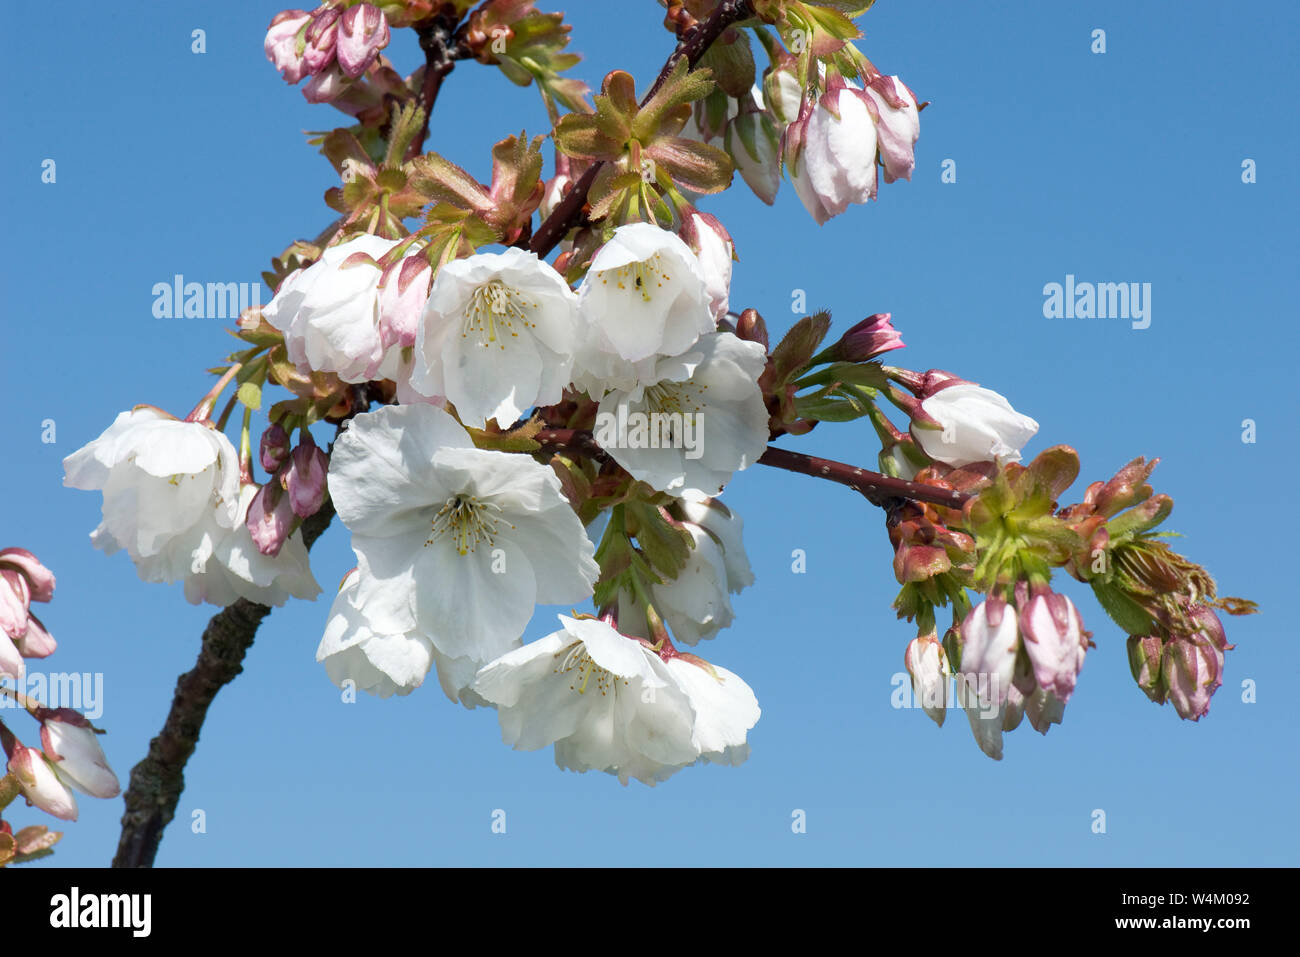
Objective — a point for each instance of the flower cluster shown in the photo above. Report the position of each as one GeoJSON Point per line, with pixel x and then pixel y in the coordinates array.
{"type": "Point", "coordinates": [69, 757]}
{"type": "Point", "coordinates": [513, 432]}
{"type": "Point", "coordinates": [332, 47]}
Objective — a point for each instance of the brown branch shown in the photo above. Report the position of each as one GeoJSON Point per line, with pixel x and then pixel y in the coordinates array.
{"type": "Point", "coordinates": [441, 51]}
{"type": "Point", "coordinates": [876, 487]}
{"type": "Point", "coordinates": [569, 212]}
{"type": "Point", "coordinates": [158, 780]}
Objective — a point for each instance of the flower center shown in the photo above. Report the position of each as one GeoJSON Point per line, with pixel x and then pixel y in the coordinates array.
{"type": "Point", "coordinates": [645, 276]}
{"type": "Point", "coordinates": [577, 660]}
{"type": "Point", "coordinates": [493, 312]}
{"type": "Point", "coordinates": [467, 521]}
{"type": "Point", "coordinates": [672, 397]}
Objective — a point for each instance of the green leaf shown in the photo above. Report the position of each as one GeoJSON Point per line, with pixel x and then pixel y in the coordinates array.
{"type": "Point", "coordinates": [1123, 610]}
{"type": "Point", "coordinates": [694, 165]}
{"type": "Point", "coordinates": [682, 85]}
{"type": "Point", "coordinates": [792, 353]}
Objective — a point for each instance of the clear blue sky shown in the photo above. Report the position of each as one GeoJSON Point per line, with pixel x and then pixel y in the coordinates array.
{"type": "Point", "coordinates": [1122, 166]}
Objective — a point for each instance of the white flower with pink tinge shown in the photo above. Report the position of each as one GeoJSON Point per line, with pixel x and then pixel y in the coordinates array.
{"type": "Point", "coordinates": [330, 312]}
{"type": "Point", "coordinates": [496, 337]}
{"type": "Point", "coordinates": [453, 542]}
{"type": "Point", "coordinates": [386, 664]}
{"type": "Point", "coordinates": [645, 296]}
{"type": "Point", "coordinates": [161, 478]}
{"type": "Point", "coordinates": [608, 702]}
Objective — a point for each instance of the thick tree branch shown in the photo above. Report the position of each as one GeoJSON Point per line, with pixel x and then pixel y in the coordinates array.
{"type": "Point", "coordinates": [158, 780]}
{"type": "Point", "coordinates": [569, 212]}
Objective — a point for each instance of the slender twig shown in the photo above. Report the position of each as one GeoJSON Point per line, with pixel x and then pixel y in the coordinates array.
{"type": "Point", "coordinates": [569, 213]}
{"type": "Point", "coordinates": [876, 487]}
{"type": "Point", "coordinates": [441, 51]}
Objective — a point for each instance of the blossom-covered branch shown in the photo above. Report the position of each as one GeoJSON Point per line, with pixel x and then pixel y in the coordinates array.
{"type": "Point", "coordinates": [517, 432]}
{"type": "Point", "coordinates": [569, 212]}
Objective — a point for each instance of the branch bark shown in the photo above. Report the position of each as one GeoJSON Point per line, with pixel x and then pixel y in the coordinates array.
{"type": "Point", "coordinates": [878, 488]}
{"type": "Point", "coordinates": [441, 51]}
{"type": "Point", "coordinates": [569, 212]}
{"type": "Point", "coordinates": [875, 486]}
{"type": "Point", "coordinates": [158, 780]}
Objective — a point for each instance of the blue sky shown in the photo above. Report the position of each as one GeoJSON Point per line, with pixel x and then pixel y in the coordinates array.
{"type": "Point", "coordinates": [1124, 166]}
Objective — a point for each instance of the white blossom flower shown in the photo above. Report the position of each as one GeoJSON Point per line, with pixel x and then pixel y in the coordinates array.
{"type": "Point", "coordinates": [386, 664]}
{"type": "Point", "coordinates": [832, 159]}
{"type": "Point", "coordinates": [220, 565]}
{"type": "Point", "coordinates": [607, 702]}
{"type": "Point", "coordinates": [497, 336]}
{"type": "Point", "coordinates": [727, 528]}
{"type": "Point", "coordinates": [453, 542]}
{"type": "Point", "coordinates": [644, 297]}
{"type": "Point", "coordinates": [74, 751]}
{"type": "Point", "coordinates": [399, 366]}
{"type": "Point", "coordinates": [161, 478]}
{"type": "Point", "coordinates": [330, 311]}
{"type": "Point", "coordinates": [724, 706]}
{"type": "Point", "coordinates": [694, 421]}
{"type": "Point", "coordinates": [990, 640]}
{"type": "Point", "coordinates": [977, 425]}
{"type": "Point", "coordinates": [695, 605]}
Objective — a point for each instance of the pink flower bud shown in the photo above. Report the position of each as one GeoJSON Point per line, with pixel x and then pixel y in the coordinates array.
{"type": "Point", "coordinates": [321, 39]}
{"type": "Point", "coordinates": [713, 249]}
{"type": "Point", "coordinates": [830, 151]}
{"type": "Point", "coordinates": [281, 44]}
{"type": "Point", "coordinates": [326, 86]}
{"type": "Point", "coordinates": [990, 639]}
{"type": "Point", "coordinates": [869, 338]}
{"type": "Point", "coordinates": [305, 479]}
{"type": "Point", "coordinates": [363, 32]}
{"type": "Point", "coordinates": [898, 125]}
{"type": "Point", "coordinates": [403, 294]}
{"type": "Point", "coordinates": [36, 642]}
{"type": "Point", "coordinates": [15, 595]}
{"type": "Point", "coordinates": [1193, 671]}
{"type": "Point", "coordinates": [40, 785]}
{"type": "Point", "coordinates": [40, 579]}
{"type": "Point", "coordinates": [274, 448]}
{"type": "Point", "coordinates": [71, 743]}
{"type": "Point", "coordinates": [1192, 666]}
{"type": "Point", "coordinates": [270, 518]}
{"type": "Point", "coordinates": [927, 664]}
{"type": "Point", "coordinates": [11, 659]}
{"type": "Point", "coordinates": [1055, 642]}
{"type": "Point", "coordinates": [751, 327]}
